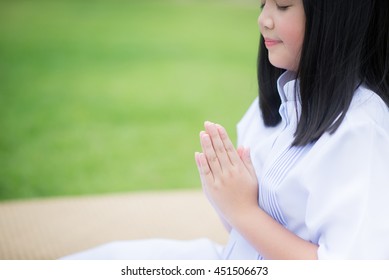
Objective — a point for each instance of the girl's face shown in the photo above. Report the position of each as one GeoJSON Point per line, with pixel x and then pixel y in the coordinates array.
{"type": "Point", "coordinates": [282, 25]}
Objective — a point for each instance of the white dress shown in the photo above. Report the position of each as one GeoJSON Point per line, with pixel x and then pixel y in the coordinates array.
{"type": "Point", "coordinates": [334, 192]}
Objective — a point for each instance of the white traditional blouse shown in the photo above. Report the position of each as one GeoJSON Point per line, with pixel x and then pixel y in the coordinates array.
{"type": "Point", "coordinates": [334, 192]}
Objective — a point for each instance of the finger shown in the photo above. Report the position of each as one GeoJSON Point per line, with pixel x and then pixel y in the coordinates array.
{"type": "Point", "coordinates": [228, 146]}
{"type": "Point", "coordinates": [217, 144]}
{"type": "Point", "coordinates": [246, 157]}
{"type": "Point", "coordinates": [240, 151]}
{"type": "Point", "coordinates": [210, 154]}
{"type": "Point", "coordinates": [205, 171]}
{"type": "Point", "coordinates": [203, 183]}
{"type": "Point", "coordinates": [198, 164]}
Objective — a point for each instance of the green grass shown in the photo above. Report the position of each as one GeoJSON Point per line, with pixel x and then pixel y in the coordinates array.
{"type": "Point", "coordinates": [109, 96]}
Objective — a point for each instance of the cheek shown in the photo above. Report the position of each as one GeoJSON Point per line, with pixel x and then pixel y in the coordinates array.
{"type": "Point", "coordinates": [294, 35]}
{"type": "Point", "coordinates": [295, 43]}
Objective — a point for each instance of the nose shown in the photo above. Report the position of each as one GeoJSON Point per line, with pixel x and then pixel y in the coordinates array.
{"type": "Point", "coordinates": [265, 20]}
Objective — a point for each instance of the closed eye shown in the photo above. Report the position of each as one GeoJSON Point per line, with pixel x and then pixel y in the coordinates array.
{"type": "Point", "coordinates": [282, 8]}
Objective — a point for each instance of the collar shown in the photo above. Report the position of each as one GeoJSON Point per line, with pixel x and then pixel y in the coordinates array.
{"type": "Point", "coordinates": [288, 89]}
{"type": "Point", "coordinates": [287, 86]}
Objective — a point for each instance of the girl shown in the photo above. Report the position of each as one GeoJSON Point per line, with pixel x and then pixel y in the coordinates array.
{"type": "Point", "coordinates": [317, 183]}
{"type": "Point", "coordinates": [312, 181]}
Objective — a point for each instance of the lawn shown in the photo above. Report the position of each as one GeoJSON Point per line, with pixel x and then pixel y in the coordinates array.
{"type": "Point", "coordinates": [109, 96]}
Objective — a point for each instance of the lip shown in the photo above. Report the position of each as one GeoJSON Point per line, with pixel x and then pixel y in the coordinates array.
{"type": "Point", "coordinates": [271, 42]}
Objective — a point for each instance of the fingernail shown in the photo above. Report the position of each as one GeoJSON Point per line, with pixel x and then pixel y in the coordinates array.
{"type": "Point", "coordinates": [205, 136]}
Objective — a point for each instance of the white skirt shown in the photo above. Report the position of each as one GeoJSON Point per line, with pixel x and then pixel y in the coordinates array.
{"type": "Point", "coordinates": [152, 249]}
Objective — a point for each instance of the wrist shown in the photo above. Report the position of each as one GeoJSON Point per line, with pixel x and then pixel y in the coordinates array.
{"type": "Point", "coordinates": [243, 219]}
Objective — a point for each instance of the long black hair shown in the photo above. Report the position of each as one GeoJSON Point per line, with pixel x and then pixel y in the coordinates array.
{"type": "Point", "coordinates": [345, 44]}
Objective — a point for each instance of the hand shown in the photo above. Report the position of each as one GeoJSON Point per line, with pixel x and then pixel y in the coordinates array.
{"type": "Point", "coordinates": [229, 180]}
{"type": "Point", "coordinates": [227, 175]}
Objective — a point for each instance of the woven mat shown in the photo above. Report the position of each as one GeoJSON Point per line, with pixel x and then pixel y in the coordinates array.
{"type": "Point", "coordinates": [44, 229]}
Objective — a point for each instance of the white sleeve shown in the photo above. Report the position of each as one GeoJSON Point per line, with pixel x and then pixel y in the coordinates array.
{"type": "Point", "coordinates": [347, 211]}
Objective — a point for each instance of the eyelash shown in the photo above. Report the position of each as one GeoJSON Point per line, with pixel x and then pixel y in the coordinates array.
{"type": "Point", "coordinates": [281, 8]}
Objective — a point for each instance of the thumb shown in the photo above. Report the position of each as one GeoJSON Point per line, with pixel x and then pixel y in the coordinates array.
{"type": "Point", "coordinates": [246, 158]}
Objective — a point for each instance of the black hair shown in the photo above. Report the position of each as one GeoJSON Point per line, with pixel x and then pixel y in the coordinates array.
{"type": "Point", "coordinates": [376, 68]}
{"type": "Point", "coordinates": [345, 44]}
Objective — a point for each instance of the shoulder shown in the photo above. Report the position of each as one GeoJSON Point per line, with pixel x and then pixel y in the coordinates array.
{"type": "Point", "coordinates": [367, 109]}
{"type": "Point", "coordinates": [363, 131]}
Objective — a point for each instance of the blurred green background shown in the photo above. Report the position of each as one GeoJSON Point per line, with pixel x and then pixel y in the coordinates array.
{"type": "Point", "coordinates": [110, 96]}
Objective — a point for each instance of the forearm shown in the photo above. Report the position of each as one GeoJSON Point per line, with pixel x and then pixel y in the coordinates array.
{"type": "Point", "coordinates": [226, 225]}
{"type": "Point", "coordinates": [271, 239]}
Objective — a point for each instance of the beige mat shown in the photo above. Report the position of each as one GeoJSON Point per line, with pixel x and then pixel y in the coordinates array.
{"type": "Point", "coordinates": [52, 228]}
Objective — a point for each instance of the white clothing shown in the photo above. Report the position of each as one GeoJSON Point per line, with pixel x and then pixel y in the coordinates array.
{"type": "Point", "coordinates": [152, 249]}
{"type": "Point", "coordinates": [334, 192]}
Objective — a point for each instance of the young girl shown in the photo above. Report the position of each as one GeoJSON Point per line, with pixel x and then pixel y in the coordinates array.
{"type": "Point", "coordinates": [319, 138]}
{"type": "Point", "coordinates": [312, 180]}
